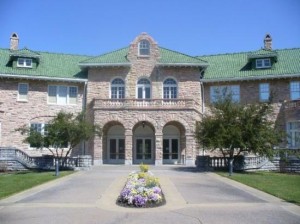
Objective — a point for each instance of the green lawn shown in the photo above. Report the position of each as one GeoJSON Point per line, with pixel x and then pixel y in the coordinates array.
{"type": "Point", "coordinates": [284, 186]}
{"type": "Point", "coordinates": [11, 183]}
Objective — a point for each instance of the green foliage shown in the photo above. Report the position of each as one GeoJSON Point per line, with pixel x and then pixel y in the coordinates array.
{"type": "Point", "coordinates": [234, 128]}
{"type": "Point", "coordinates": [144, 167]}
{"type": "Point", "coordinates": [151, 181]}
{"type": "Point", "coordinates": [65, 130]}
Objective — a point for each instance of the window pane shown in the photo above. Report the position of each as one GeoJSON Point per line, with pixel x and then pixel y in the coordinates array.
{"type": "Point", "coordinates": [174, 148]}
{"type": "Point", "coordinates": [295, 90]}
{"type": "Point", "coordinates": [72, 95]}
{"type": "Point", "coordinates": [52, 94]}
{"type": "Point", "coordinates": [113, 148]}
{"type": "Point", "coordinates": [147, 92]}
{"type": "Point", "coordinates": [140, 92]}
{"type": "Point", "coordinates": [23, 91]}
{"type": "Point", "coordinates": [62, 95]}
{"type": "Point", "coordinates": [28, 62]}
{"type": "Point", "coordinates": [267, 62]}
{"type": "Point", "coordinates": [121, 93]}
{"type": "Point", "coordinates": [21, 61]}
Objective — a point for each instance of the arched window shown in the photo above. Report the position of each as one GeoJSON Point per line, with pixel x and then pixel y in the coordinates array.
{"type": "Point", "coordinates": [170, 89]}
{"type": "Point", "coordinates": [143, 89]}
{"type": "Point", "coordinates": [144, 47]}
{"type": "Point", "coordinates": [117, 89]}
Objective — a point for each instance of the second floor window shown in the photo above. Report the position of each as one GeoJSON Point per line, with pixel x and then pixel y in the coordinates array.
{"type": "Point", "coordinates": [220, 92]}
{"type": "Point", "coordinates": [62, 95]}
{"type": "Point", "coordinates": [143, 89]}
{"type": "Point", "coordinates": [170, 89]}
{"type": "Point", "coordinates": [295, 90]}
{"type": "Point", "coordinates": [117, 89]}
{"type": "Point", "coordinates": [23, 91]}
{"type": "Point", "coordinates": [264, 92]}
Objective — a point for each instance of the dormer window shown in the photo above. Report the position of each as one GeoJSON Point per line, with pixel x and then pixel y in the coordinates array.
{"type": "Point", "coordinates": [24, 62]}
{"type": "Point", "coordinates": [144, 48]}
{"type": "Point", "coordinates": [263, 63]}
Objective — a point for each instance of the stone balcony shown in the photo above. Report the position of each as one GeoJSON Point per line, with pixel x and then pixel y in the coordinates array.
{"type": "Point", "coordinates": [146, 104]}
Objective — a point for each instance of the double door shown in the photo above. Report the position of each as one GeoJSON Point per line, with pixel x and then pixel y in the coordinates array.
{"type": "Point", "coordinates": [144, 150]}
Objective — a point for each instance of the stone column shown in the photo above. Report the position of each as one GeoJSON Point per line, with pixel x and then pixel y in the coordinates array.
{"type": "Point", "coordinates": [158, 148]}
{"type": "Point", "coordinates": [128, 147]}
{"type": "Point", "coordinates": [98, 151]}
{"type": "Point", "coordinates": [190, 150]}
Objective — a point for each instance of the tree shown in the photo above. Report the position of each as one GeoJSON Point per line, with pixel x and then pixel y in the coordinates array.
{"type": "Point", "coordinates": [233, 128]}
{"type": "Point", "coordinates": [61, 135]}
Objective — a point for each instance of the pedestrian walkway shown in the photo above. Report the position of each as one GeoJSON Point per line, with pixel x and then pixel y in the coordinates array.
{"type": "Point", "coordinates": [192, 197]}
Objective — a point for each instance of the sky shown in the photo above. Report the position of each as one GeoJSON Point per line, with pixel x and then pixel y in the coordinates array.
{"type": "Point", "coordinates": [193, 27]}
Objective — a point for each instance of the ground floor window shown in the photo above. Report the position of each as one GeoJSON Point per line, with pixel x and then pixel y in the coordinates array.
{"type": "Point", "coordinates": [293, 131]}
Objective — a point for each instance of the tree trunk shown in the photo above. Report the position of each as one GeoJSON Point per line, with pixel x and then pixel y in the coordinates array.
{"type": "Point", "coordinates": [230, 166]}
{"type": "Point", "coordinates": [56, 167]}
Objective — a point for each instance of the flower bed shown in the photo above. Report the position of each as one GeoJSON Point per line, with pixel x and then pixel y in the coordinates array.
{"type": "Point", "coordinates": [142, 190]}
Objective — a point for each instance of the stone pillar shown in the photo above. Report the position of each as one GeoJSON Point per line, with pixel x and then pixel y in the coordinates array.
{"type": "Point", "coordinates": [128, 147]}
{"type": "Point", "coordinates": [158, 148]}
{"type": "Point", "coordinates": [190, 150]}
{"type": "Point", "coordinates": [98, 151]}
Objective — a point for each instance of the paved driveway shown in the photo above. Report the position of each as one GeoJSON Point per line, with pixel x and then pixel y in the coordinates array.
{"type": "Point", "coordinates": [192, 197]}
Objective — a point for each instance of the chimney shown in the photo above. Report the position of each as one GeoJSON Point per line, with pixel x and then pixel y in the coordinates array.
{"type": "Point", "coordinates": [14, 42]}
{"type": "Point", "coordinates": [268, 42]}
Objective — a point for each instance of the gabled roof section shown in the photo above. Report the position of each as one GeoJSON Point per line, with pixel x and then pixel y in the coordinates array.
{"type": "Point", "coordinates": [119, 58]}
{"type": "Point", "coordinates": [54, 66]}
{"type": "Point", "coordinates": [263, 53]}
{"type": "Point", "coordinates": [174, 58]}
{"type": "Point", "coordinates": [236, 66]}
{"type": "Point", "coordinates": [115, 58]}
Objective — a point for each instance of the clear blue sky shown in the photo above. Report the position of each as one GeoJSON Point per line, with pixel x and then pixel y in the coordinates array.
{"type": "Point", "coordinates": [194, 27]}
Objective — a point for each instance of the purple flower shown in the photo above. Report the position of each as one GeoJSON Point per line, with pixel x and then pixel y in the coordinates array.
{"type": "Point", "coordinates": [139, 200]}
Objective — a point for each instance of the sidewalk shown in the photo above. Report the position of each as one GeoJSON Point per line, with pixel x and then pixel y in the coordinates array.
{"type": "Point", "coordinates": [192, 197]}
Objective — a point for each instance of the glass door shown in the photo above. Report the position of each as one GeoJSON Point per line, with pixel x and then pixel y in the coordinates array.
{"type": "Point", "coordinates": [116, 149]}
{"type": "Point", "coordinates": [144, 150]}
{"type": "Point", "coordinates": [170, 150]}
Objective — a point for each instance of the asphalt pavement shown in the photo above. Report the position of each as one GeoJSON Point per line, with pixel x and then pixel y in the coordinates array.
{"type": "Point", "coordinates": [191, 197]}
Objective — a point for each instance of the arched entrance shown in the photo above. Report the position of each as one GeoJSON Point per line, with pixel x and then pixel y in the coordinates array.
{"type": "Point", "coordinates": [173, 143]}
{"type": "Point", "coordinates": [143, 143]}
{"type": "Point", "coordinates": [115, 143]}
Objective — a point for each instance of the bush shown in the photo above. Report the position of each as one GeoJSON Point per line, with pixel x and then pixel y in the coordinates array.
{"type": "Point", "coordinates": [144, 168]}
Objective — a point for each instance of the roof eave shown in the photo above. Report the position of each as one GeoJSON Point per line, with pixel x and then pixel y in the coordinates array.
{"type": "Point", "coordinates": [181, 65]}
{"type": "Point", "coordinates": [88, 65]}
{"type": "Point", "coordinates": [250, 78]}
{"type": "Point", "coordinates": [46, 78]}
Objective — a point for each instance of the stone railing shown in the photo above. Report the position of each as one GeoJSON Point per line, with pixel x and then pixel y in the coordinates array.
{"type": "Point", "coordinates": [292, 104]}
{"type": "Point", "coordinates": [146, 104]}
{"type": "Point", "coordinates": [15, 159]}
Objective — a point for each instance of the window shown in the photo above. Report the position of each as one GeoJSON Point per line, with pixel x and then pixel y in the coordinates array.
{"type": "Point", "coordinates": [24, 62]}
{"type": "Point", "coordinates": [170, 89]}
{"type": "Point", "coordinates": [295, 90]}
{"type": "Point", "coordinates": [263, 63]}
{"type": "Point", "coordinates": [40, 128]}
{"type": "Point", "coordinates": [264, 92]}
{"type": "Point", "coordinates": [117, 89]}
{"type": "Point", "coordinates": [62, 95]}
{"type": "Point", "coordinates": [220, 92]}
{"type": "Point", "coordinates": [144, 47]}
{"type": "Point", "coordinates": [143, 89]}
{"type": "Point", "coordinates": [293, 131]}
{"type": "Point", "coordinates": [23, 91]}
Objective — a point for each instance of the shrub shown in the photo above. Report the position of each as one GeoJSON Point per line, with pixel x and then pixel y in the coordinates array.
{"type": "Point", "coordinates": [144, 168]}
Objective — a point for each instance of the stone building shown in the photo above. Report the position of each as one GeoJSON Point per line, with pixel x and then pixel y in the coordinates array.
{"type": "Point", "coordinates": [145, 97]}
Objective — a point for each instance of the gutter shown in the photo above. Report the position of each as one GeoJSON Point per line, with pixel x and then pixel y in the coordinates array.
{"type": "Point", "coordinates": [183, 64]}
{"type": "Point", "coordinates": [85, 65]}
{"type": "Point", "coordinates": [42, 78]}
{"type": "Point", "coordinates": [251, 78]}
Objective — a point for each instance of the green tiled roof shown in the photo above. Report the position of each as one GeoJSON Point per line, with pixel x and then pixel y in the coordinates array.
{"type": "Point", "coordinates": [236, 66]}
{"type": "Point", "coordinates": [115, 57]}
{"type": "Point", "coordinates": [263, 54]}
{"type": "Point", "coordinates": [119, 57]}
{"type": "Point", "coordinates": [51, 65]}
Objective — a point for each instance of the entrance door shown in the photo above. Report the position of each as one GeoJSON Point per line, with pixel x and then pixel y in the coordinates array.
{"type": "Point", "coordinates": [144, 150]}
{"type": "Point", "coordinates": [170, 150]}
{"type": "Point", "coordinates": [116, 149]}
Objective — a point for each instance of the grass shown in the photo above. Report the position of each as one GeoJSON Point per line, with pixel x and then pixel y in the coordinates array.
{"type": "Point", "coordinates": [281, 185]}
{"type": "Point", "coordinates": [11, 183]}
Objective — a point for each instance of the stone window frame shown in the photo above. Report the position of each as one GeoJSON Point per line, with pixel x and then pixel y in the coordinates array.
{"type": "Point", "coordinates": [295, 90]}
{"type": "Point", "coordinates": [144, 48]}
{"type": "Point", "coordinates": [221, 91]}
{"type": "Point", "coordinates": [144, 86]}
{"type": "Point", "coordinates": [264, 92]}
{"type": "Point", "coordinates": [23, 89]}
{"type": "Point", "coordinates": [263, 63]}
{"type": "Point", "coordinates": [118, 86]}
{"type": "Point", "coordinates": [169, 85]}
{"type": "Point", "coordinates": [293, 132]}
{"type": "Point", "coordinates": [24, 62]}
{"type": "Point", "coordinates": [71, 95]}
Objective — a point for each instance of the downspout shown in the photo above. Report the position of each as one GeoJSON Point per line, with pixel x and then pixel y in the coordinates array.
{"type": "Point", "coordinates": [203, 105]}
{"type": "Point", "coordinates": [84, 99]}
